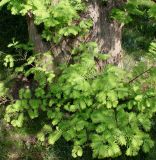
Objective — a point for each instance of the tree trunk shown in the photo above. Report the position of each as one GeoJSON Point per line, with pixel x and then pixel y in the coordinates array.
{"type": "Point", "coordinates": [106, 32]}
{"type": "Point", "coordinates": [34, 36]}
{"type": "Point", "coordinates": [39, 45]}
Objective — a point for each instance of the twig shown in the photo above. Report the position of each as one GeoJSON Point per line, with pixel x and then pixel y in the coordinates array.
{"type": "Point", "coordinates": [3, 100]}
{"type": "Point", "coordinates": [131, 81]}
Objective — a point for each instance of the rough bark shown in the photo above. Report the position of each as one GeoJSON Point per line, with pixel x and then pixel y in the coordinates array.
{"type": "Point", "coordinates": [39, 45]}
{"type": "Point", "coordinates": [34, 36]}
{"type": "Point", "coordinates": [106, 32]}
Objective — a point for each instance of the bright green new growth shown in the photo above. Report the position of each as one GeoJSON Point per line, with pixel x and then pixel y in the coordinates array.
{"type": "Point", "coordinates": [107, 111]}
{"type": "Point", "coordinates": [59, 18]}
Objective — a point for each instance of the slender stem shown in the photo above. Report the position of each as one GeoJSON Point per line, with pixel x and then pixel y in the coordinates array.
{"type": "Point", "coordinates": [131, 81]}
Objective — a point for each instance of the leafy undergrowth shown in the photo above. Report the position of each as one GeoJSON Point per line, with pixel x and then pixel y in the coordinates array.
{"type": "Point", "coordinates": [16, 144]}
{"type": "Point", "coordinates": [109, 111]}
{"type": "Point", "coordinates": [13, 147]}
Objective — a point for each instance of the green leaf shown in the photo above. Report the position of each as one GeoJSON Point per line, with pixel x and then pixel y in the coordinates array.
{"type": "Point", "coordinates": [34, 103]}
{"type": "Point", "coordinates": [33, 113]}
{"type": "Point", "coordinates": [53, 137]}
{"type": "Point", "coordinates": [41, 136]}
{"type": "Point", "coordinates": [97, 117]}
{"type": "Point", "coordinates": [3, 2]}
{"type": "Point", "coordinates": [39, 92]}
{"type": "Point", "coordinates": [139, 97]}
{"type": "Point", "coordinates": [77, 151]}
{"type": "Point", "coordinates": [19, 121]}
{"type": "Point", "coordinates": [27, 93]}
{"type": "Point", "coordinates": [82, 104]}
{"type": "Point", "coordinates": [30, 60]}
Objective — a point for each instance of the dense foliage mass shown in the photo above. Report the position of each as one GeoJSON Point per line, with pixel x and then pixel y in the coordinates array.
{"type": "Point", "coordinates": [108, 110]}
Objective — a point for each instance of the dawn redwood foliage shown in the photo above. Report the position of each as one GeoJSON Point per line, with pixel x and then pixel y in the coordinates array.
{"type": "Point", "coordinates": [87, 99]}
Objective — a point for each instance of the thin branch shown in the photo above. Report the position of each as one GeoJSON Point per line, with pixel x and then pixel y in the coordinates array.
{"type": "Point", "coordinates": [4, 100]}
{"type": "Point", "coordinates": [131, 81]}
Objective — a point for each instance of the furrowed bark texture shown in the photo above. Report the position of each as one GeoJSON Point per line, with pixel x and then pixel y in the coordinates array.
{"type": "Point", "coordinates": [34, 36]}
{"type": "Point", "coordinates": [106, 32]}
{"type": "Point", "coordinates": [39, 45]}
